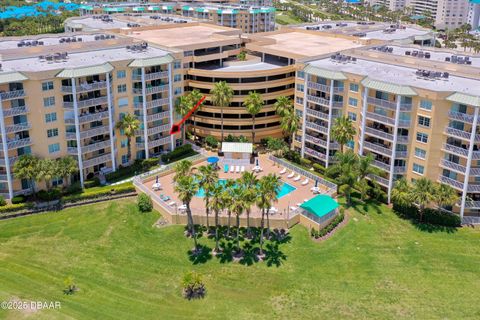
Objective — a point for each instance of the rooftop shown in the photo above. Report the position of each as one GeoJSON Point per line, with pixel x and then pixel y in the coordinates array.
{"type": "Point", "coordinates": [12, 43]}
{"type": "Point", "coordinates": [320, 205]}
{"type": "Point", "coordinates": [240, 147]}
{"type": "Point", "coordinates": [398, 75]}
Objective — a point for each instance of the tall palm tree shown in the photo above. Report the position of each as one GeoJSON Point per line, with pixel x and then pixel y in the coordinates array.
{"type": "Point", "coordinates": [253, 103]}
{"type": "Point", "coordinates": [222, 94]}
{"type": "Point", "coordinates": [401, 193]}
{"type": "Point", "coordinates": [445, 195]}
{"type": "Point", "coordinates": [195, 96]}
{"type": "Point", "coordinates": [227, 200]}
{"type": "Point", "coordinates": [423, 193]}
{"type": "Point", "coordinates": [344, 171]}
{"type": "Point", "coordinates": [267, 188]}
{"type": "Point", "coordinates": [26, 167]}
{"type": "Point", "coordinates": [364, 168]}
{"type": "Point", "coordinates": [182, 107]}
{"type": "Point", "coordinates": [207, 178]}
{"type": "Point", "coordinates": [343, 131]}
{"type": "Point", "coordinates": [289, 124]}
{"type": "Point", "coordinates": [216, 205]}
{"type": "Point", "coordinates": [282, 105]}
{"type": "Point", "coordinates": [237, 206]}
{"type": "Point", "coordinates": [67, 166]}
{"type": "Point", "coordinates": [186, 187]}
{"type": "Point", "coordinates": [182, 168]}
{"type": "Point", "coordinates": [249, 183]}
{"type": "Point", "coordinates": [129, 124]}
{"type": "Point", "coordinates": [274, 183]}
{"type": "Point", "coordinates": [47, 170]}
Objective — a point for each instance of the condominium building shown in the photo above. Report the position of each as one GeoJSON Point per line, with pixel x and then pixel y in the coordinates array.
{"type": "Point", "coordinates": [447, 14]}
{"type": "Point", "coordinates": [418, 117]}
{"type": "Point", "coordinates": [62, 97]}
{"type": "Point", "coordinates": [392, 5]}
{"type": "Point", "coordinates": [474, 14]}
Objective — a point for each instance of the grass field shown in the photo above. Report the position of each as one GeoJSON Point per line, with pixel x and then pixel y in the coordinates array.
{"type": "Point", "coordinates": [285, 18]}
{"type": "Point", "coordinates": [376, 267]}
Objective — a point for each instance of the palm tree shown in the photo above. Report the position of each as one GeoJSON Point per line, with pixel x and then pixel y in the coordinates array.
{"type": "Point", "coordinates": [207, 178]}
{"type": "Point", "coordinates": [227, 200]}
{"type": "Point", "coordinates": [274, 183]}
{"type": "Point", "coordinates": [282, 105]}
{"type": "Point", "coordinates": [237, 206]}
{"type": "Point", "coordinates": [401, 194]}
{"type": "Point", "coordinates": [289, 123]}
{"type": "Point", "coordinates": [182, 107]}
{"type": "Point", "coordinates": [216, 205]}
{"type": "Point", "coordinates": [343, 131]}
{"type": "Point", "coordinates": [67, 166]}
{"type": "Point", "coordinates": [182, 168]}
{"type": "Point", "coordinates": [267, 188]}
{"type": "Point", "coordinates": [222, 94]}
{"type": "Point", "coordinates": [186, 187]}
{"type": "Point", "coordinates": [249, 183]}
{"type": "Point", "coordinates": [344, 171]}
{"type": "Point", "coordinates": [363, 169]}
{"type": "Point", "coordinates": [26, 167]}
{"type": "Point", "coordinates": [195, 96]}
{"type": "Point", "coordinates": [444, 195]}
{"type": "Point", "coordinates": [47, 170]}
{"type": "Point", "coordinates": [423, 193]}
{"type": "Point", "coordinates": [129, 124]}
{"type": "Point", "coordinates": [253, 104]}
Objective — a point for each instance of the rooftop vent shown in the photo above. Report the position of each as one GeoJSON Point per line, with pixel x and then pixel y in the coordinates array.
{"type": "Point", "coordinates": [431, 75]}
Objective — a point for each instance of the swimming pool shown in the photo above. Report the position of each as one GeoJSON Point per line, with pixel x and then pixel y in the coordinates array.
{"type": "Point", "coordinates": [283, 191]}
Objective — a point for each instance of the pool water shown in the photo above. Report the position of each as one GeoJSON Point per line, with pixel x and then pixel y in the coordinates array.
{"type": "Point", "coordinates": [283, 191]}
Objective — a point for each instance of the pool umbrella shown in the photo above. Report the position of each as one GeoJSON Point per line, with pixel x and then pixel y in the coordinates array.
{"type": "Point", "coordinates": [316, 183]}
{"type": "Point", "coordinates": [212, 160]}
{"type": "Point", "coordinates": [156, 180]}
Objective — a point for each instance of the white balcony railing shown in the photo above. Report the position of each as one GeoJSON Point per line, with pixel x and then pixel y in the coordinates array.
{"type": "Point", "coordinates": [399, 169]}
{"type": "Point", "coordinates": [318, 100]}
{"type": "Point", "coordinates": [316, 127]}
{"type": "Point", "coordinates": [377, 148]}
{"type": "Point", "coordinates": [96, 161]}
{"type": "Point", "coordinates": [380, 180]}
{"type": "Point", "coordinates": [457, 133]}
{"type": "Point", "coordinates": [453, 166]}
{"type": "Point", "coordinates": [456, 150]}
{"type": "Point", "coordinates": [15, 111]}
{"type": "Point", "coordinates": [10, 159]}
{"type": "Point", "coordinates": [17, 143]}
{"type": "Point", "coordinates": [381, 165]}
{"type": "Point", "coordinates": [382, 103]}
{"type": "Point", "coordinates": [317, 114]}
{"type": "Point", "coordinates": [94, 132]}
{"type": "Point", "coordinates": [96, 146]}
{"type": "Point", "coordinates": [159, 142]}
{"type": "Point", "coordinates": [379, 133]}
{"type": "Point", "coordinates": [85, 87]}
{"type": "Point", "coordinates": [315, 140]}
{"type": "Point", "coordinates": [15, 94]}
{"type": "Point", "coordinates": [451, 182]}
{"type": "Point", "coordinates": [158, 116]}
{"type": "Point", "coordinates": [17, 127]}
{"type": "Point", "coordinates": [460, 116]}
{"type": "Point", "coordinates": [315, 154]}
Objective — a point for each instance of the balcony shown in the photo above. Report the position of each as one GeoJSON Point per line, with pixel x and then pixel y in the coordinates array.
{"type": "Point", "coordinates": [380, 180]}
{"type": "Point", "coordinates": [317, 114]}
{"type": "Point", "coordinates": [377, 148]}
{"type": "Point", "coordinates": [158, 116]}
{"type": "Point", "coordinates": [159, 142]}
{"type": "Point", "coordinates": [473, 188]}
{"type": "Point", "coordinates": [379, 133]}
{"type": "Point", "coordinates": [460, 116]}
{"type": "Point", "coordinates": [402, 139]}
{"type": "Point", "coordinates": [18, 127]}
{"type": "Point", "coordinates": [94, 132]}
{"type": "Point", "coordinates": [381, 165]}
{"type": "Point", "coordinates": [96, 146]}
{"type": "Point", "coordinates": [318, 86]}
{"type": "Point", "coordinates": [86, 103]}
{"type": "Point", "coordinates": [10, 159]}
{"type": "Point", "coordinates": [154, 130]}
{"type": "Point", "coordinates": [318, 100]}
{"type": "Point", "coordinates": [96, 161]}
{"type": "Point", "coordinates": [317, 141]}
{"type": "Point", "coordinates": [15, 111]}
{"type": "Point", "coordinates": [17, 143]}
{"type": "Point", "coordinates": [453, 166]}
{"type": "Point", "coordinates": [316, 127]}
{"type": "Point", "coordinates": [153, 103]}
{"type": "Point", "coordinates": [380, 118]}
{"type": "Point", "coordinates": [315, 154]}
{"type": "Point", "coordinates": [88, 117]}
{"type": "Point", "coordinates": [3, 177]}
{"type": "Point", "coordinates": [472, 204]}
{"type": "Point", "coordinates": [73, 151]}
{"type": "Point", "coordinates": [459, 151]}
{"type": "Point", "coordinates": [151, 90]}
{"type": "Point", "coordinates": [382, 103]}
{"type": "Point", "coordinates": [457, 133]}
{"type": "Point", "coordinates": [156, 75]}
{"type": "Point", "coordinates": [85, 87]}
{"type": "Point", "coordinates": [451, 182]}
{"type": "Point", "coordinates": [10, 95]}
{"type": "Point", "coordinates": [399, 169]}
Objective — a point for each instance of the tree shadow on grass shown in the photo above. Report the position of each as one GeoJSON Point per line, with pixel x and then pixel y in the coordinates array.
{"type": "Point", "coordinates": [274, 256]}
{"type": "Point", "coordinates": [249, 254]}
{"type": "Point", "coordinates": [363, 207]}
{"type": "Point", "coordinates": [280, 236]}
{"type": "Point", "coordinates": [226, 254]}
{"type": "Point", "coordinates": [201, 256]}
{"type": "Point", "coordinates": [431, 228]}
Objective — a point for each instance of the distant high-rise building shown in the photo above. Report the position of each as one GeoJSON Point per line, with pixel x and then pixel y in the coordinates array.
{"type": "Point", "coordinates": [447, 14]}
{"type": "Point", "coordinates": [474, 14]}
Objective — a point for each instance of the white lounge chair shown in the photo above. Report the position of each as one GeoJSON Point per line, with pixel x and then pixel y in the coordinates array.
{"type": "Point", "coordinates": [305, 182]}
{"type": "Point", "coordinates": [283, 171]}
{"type": "Point", "coordinates": [298, 177]}
{"type": "Point", "coordinates": [291, 175]}
{"type": "Point", "coordinates": [242, 169]}
{"type": "Point", "coordinates": [237, 169]}
{"type": "Point", "coordinates": [293, 209]}
{"type": "Point", "coordinates": [171, 204]}
{"type": "Point", "coordinates": [232, 169]}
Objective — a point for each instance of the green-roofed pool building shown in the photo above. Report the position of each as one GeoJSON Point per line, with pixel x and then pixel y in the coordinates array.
{"type": "Point", "coordinates": [318, 211]}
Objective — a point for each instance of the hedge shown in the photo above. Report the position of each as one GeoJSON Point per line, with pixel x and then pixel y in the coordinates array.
{"type": "Point", "coordinates": [329, 227]}
{"type": "Point", "coordinates": [90, 183]}
{"type": "Point", "coordinates": [319, 168]}
{"type": "Point", "coordinates": [430, 216]}
{"type": "Point", "coordinates": [15, 207]}
{"type": "Point", "coordinates": [18, 199]}
{"type": "Point", "coordinates": [305, 161]}
{"type": "Point", "coordinates": [179, 153]}
{"type": "Point", "coordinates": [101, 192]}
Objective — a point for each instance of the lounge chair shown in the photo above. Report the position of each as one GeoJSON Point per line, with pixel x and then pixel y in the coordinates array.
{"type": "Point", "coordinates": [305, 182]}
{"type": "Point", "coordinates": [166, 198]}
{"type": "Point", "coordinates": [293, 209]}
{"type": "Point", "coordinates": [298, 177]}
{"type": "Point", "coordinates": [242, 169]}
{"type": "Point", "coordinates": [291, 175]}
{"type": "Point", "coordinates": [237, 169]}
{"type": "Point", "coordinates": [232, 168]}
{"type": "Point", "coordinates": [225, 168]}
{"type": "Point", "coordinates": [171, 204]}
{"type": "Point", "coordinates": [283, 171]}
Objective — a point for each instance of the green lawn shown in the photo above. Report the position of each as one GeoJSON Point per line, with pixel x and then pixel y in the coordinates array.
{"type": "Point", "coordinates": [377, 267]}
{"type": "Point", "coordinates": [284, 18]}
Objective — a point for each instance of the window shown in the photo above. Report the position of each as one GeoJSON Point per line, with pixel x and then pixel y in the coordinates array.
{"type": "Point", "coordinates": [301, 74]}
{"type": "Point", "coordinates": [353, 87]}
{"type": "Point", "coordinates": [300, 87]}
{"type": "Point", "coordinates": [122, 102]}
{"type": "Point", "coordinates": [122, 88]}
{"type": "Point", "coordinates": [124, 143]}
{"type": "Point", "coordinates": [53, 148]}
{"type": "Point", "coordinates": [177, 77]}
{"type": "Point", "coordinates": [351, 144]}
{"type": "Point", "coordinates": [418, 168]}
{"type": "Point", "coordinates": [177, 91]}
{"type": "Point", "coordinates": [124, 159]}
{"type": "Point", "coordinates": [422, 137]}
{"type": "Point", "coordinates": [49, 101]}
{"type": "Point", "coordinates": [121, 74]}
{"type": "Point", "coordinates": [51, 117]}
{"type": "Point", "coordinates": [299, 100]}
{"type": "Point", "coordinates": [352, 116]}
{"type": "Point", "coordinates": [177, 64]}
{"type": "Point", "coordinates": [424, 121]}
{"type": "Point", "coordinates": [299, 113]}
{"type": "Point", "coordinates": [426, 104]}
{"type": "Point", "coordinates": [352, 102]}
{"type": "Point", "coordinates": [52, 133]}
{"type": "Point", "coordinates": [420, 153]}
{"type": "Point", "coordinates": [47, 85]}
{"type": "Point", "coordinates": [57, 182]}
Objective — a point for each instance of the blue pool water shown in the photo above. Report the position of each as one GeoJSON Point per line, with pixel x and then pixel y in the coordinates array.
{"type": "Point", "coordinates": [283, 191]}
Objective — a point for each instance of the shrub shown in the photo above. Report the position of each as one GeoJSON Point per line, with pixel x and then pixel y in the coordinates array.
{"type": "Point", "coordinates": [306, 162]}
{"type": "Point", "coordinates": [319, 168]}
{"type": "Point", "coordinates": [70, 286]}
{"type": "Point", "coordinates": [2, 201]}
{"type": "Point", "coordinates": [73, 188]}
{"type": "Point", "coordinates": [430, 216]}
{"type": "Point", "coordinates": [149, 163]}
{"type": "Point", "coordinates": [293, 156]}
{"type": "Point", "coordinates": [102, 192]}
{"type": "Point", "coordinates": [15, 207]}
{"type": "Point", "coordinates": [52, 194]}
{"type": "Point", "coordinates": [93, 182]}
{"type": "Point", "coordinates": [211, 141]}
{"type": "Point", "coordinates": [329, 227]}
{"type": "Point", "coordinates": [193, 287]}
{"type": "Point", "coordinates": [179, 153]}
{"type": "Point", "coordinates": [144, 203]}
{"type": "Point", "coordinates": [18, 199]}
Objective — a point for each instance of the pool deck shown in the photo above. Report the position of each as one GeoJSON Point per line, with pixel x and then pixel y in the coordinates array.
{"type": "Point", "coordinates": [284, 216]}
